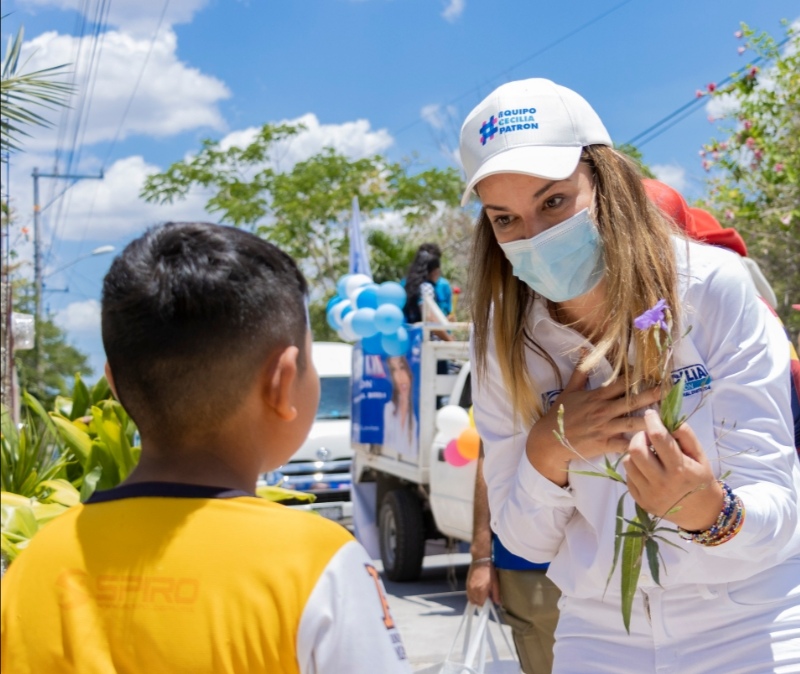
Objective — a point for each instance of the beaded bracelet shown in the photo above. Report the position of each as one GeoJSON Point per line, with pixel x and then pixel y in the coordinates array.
{"type": "Point", "coordinates": [733, 529]}
{"type": "Point", "coordinates": [727, 525]}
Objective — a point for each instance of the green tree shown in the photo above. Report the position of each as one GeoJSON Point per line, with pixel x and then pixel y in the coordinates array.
{"type": "Point", "coordinates": [754, 168]}
{"type": "Point", "coordinates": [634, 153]}
{"type": "Point", "coordinates": [305, 209]}
{"type": "Point", "coordinates": [60, 360]}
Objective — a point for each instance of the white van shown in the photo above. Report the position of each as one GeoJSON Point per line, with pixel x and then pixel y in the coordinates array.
{"type": "Point", "coordinates": [322, 465]}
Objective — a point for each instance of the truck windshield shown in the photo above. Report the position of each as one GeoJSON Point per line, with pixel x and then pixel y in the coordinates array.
{"type": "Point", "coordinates": [334, 400]}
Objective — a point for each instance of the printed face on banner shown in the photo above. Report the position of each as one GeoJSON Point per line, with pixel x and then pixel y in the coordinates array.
{"type": "Point", "coordinates": [386, 400]}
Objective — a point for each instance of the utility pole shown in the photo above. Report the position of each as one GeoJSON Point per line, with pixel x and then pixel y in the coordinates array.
{"type": "Point", "coordinates": [37, 249]}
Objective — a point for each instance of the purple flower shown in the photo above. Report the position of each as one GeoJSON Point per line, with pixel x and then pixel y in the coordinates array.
{"type": "Point", "coordinates": [651, 317]}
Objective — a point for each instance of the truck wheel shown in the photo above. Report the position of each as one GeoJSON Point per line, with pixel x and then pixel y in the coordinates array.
{"type": "Point", "coordinates": [402, 534]}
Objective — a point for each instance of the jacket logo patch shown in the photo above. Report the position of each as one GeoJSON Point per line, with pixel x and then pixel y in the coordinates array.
{"type": "Point", "coordinates": [696, 377]}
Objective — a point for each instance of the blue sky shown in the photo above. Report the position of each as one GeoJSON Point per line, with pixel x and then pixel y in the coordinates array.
{"type": "Point", "coordinates": [393, 76]}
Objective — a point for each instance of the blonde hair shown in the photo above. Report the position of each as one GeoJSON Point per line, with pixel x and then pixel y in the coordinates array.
{"type": "Point", "coordinates": [640, 270]}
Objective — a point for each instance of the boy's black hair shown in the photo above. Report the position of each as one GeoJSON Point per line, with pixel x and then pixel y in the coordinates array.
{"type": "Point", "coordinates": [191, 311]}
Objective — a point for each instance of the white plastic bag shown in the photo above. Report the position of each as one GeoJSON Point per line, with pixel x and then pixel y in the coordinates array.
{"type": "Point", "coordinates": [470, 655]}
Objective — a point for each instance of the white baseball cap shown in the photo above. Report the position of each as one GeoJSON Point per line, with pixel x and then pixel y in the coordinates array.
{"type": "Point", "coordinates": [534, 126]}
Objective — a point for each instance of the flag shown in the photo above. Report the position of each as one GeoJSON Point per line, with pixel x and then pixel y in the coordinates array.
{"type": "Point", "coordinates": [359, 260]}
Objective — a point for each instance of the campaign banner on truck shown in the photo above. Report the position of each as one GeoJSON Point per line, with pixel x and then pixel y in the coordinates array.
{"type": "Point", "coordinates": [385, 398]}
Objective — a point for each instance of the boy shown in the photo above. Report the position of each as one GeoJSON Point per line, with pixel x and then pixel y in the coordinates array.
{"type": "Point", "coordinates": [182, 568]}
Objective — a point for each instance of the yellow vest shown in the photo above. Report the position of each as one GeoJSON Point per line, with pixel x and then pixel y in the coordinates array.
{"type": "Point", "coordinates": [155, 584]}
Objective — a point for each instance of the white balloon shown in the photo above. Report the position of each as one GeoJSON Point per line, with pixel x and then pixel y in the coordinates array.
{"type": "Point", "coordinates": [355, 282]}
{"type": "Point", "coordinates": [451, 419]}
{"type": "Point", "coordinates": [349, 335]}
{"type": "Point", "coordinates": [337, 310]}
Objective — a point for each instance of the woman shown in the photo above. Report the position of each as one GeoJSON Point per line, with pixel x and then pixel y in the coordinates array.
{"type": "Point", "coordinates": [421, 278]}
{"type": "Point", "coordinates": [567, 252]}
{"type": "Point", "coordinates": [399, 422]}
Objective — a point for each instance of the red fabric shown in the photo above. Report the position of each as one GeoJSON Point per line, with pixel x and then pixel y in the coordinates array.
{"type": "Point", "coordinates": [707, 228]}
{"type": "Point", "coordinates": [696, 222]}
{"type": "Point", "coordinates": [669, 201]}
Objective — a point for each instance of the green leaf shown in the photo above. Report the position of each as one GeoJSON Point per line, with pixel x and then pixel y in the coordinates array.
{"type": "Point", "coordinates": [617, 537]}
{"type": "Point", "coordinates": [89, 483]}
{"type": "Point", "coordinates": [110, 432]}
{"type": "Point", "coordinates": [669, 542]}
{"type": "Point", "coordinates": [614, 475]}
{"type": "Point", "coordinates": [80, 399]}
{"type": "Point", "coordinates": [644, 517]}
{"type": "Point", "coordinates": [102, 457]}
{"type": "Point", "coordinates": [100, 391]}
{"type": "Point", "coordinates": [630, 569]}
{"type": "Point", "coordinates": [651, 548]}
{"type": "Point", "coordinates": [58, 491]}
{"type": "Point", "coordinates": [19, 520]}
{"type": "Point", "coordinates": [44, 512]}
{"type": "Point", "coordinates": [77, 440]}
{"type": "Point", "coordinates": [671, 405]}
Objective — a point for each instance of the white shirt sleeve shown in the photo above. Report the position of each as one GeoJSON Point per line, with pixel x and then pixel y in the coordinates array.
{"type": "Point", "coordinates": [346, 626]}
{"type": "Point", "coordinates": [529, 513]}
{"type": "Point", "coordinates": [747, 355]}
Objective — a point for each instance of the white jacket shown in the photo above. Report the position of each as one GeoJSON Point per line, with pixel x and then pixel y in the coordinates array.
{"type": "Point", "coordinates": [736, 343]}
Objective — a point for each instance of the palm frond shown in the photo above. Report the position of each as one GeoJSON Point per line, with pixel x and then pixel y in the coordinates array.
{"type": "Point", "coordinates": [23, 92]}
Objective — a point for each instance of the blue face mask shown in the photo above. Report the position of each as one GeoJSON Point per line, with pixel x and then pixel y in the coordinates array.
{"type": "Point", "coordinates": [561, 263]}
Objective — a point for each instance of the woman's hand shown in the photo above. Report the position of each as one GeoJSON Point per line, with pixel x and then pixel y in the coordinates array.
{"type": "Point", "coordinates": [595, 423]}
{"type": "Point", "coordinates": [667, 472]}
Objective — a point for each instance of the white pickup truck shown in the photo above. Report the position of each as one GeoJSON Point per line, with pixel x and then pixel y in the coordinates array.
{"type": "Point", "coordinates": [401, 500]}
{"type": "Point", "coordinates": [322, 465]}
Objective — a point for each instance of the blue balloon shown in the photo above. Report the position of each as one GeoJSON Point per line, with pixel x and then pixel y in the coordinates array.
{"type": "Point", "coordinates": [397, 343]}
{"type": "Point", "coordinates": [364, 322]}
{"type": "Point", "coordinates": [391, 292]}
{"type": "Point", "coordinates": [368, 297]}
{"type": "Point", "coordinates": [388, 318]}
{"type": "Point", "coordinates": [340, 285]}
{"type": "Point", "coordinates": [332, 301]}
{"type": "Point", "coordinates": [371, 346]}
{"type": "Point", "coordinates": [337, 312]}
{"type": "Point", "coordinates": [332, 321]}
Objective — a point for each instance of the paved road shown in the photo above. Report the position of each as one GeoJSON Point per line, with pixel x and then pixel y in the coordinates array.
{"type": "Point", "coordinates": [428, 611]}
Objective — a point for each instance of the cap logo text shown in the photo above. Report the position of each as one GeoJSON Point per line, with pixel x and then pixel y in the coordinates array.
{"type": "Point", "coordinates": [508, 121]}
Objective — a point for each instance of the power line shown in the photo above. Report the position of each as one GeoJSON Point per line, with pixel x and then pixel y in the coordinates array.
{"type": "Point", "coordinates": [655, 130]}
{"type": "Point", "coordinates": [100, 23]}
{"type": "Point", "coordinates": [138, 82]}
{"type": "Point", "coordinates": [530, 57]}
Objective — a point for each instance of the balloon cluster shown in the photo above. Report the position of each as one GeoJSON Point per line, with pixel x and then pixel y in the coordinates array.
{"type": "Point", "coordinates": [370, 312]}
{"type": "Point", "coordinates": [465, 446]}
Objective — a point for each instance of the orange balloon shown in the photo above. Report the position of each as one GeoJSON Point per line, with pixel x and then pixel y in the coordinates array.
{"type": "Point", "coordinates": [469, 443]}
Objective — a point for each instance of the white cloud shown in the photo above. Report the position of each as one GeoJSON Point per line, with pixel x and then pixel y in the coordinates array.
{"type": "Point", "coordinates": [172, 97]}
{"type": "Point", "coordinates": [139, 16]}
{"type": "Point", "coordinates": [671, 174]}
{"type": "Point", "coordinates": [80, 317]}
{"type": "Point", "coordinates": [105, 211]}
{"type": "Point", "coordinates": [354, 139]}
{"type": "Point", "coordinates": [453, 10]}
{"type": "Point", "coordinates": [438, 116]}
{"type": "Point", "coordinates": [111, 209]}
